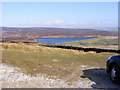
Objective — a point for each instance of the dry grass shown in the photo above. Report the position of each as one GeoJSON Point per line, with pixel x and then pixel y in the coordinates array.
{"type": "Point", "coordinates": [34, 59]}
{"type": "Point", "coordinates": [21, 46]}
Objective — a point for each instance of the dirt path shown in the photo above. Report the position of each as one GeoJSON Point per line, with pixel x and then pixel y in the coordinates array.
{"type": "Point", "coordinates": [89, 78]}
{"type": "Point", "coordinates": [96, 77]}
{"type": "Point", "coordinates": [12, 79]}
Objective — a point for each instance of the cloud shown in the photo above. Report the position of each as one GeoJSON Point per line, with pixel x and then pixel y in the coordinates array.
{"type": "Point", "coordinates": [53, 23]}
{"type": "Point", "coordinates": [67, 24]}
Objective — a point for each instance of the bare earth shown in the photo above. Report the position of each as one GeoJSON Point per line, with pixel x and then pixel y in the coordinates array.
{"type": "Point", "coordinates": [91, 77]}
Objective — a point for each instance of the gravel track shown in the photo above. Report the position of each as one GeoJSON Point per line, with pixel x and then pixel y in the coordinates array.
{"type": "Point", "coordinates": [11, 78]}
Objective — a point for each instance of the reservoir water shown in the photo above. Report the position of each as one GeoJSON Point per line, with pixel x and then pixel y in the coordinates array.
{"type": "Point", "coordinates": [59, 40]}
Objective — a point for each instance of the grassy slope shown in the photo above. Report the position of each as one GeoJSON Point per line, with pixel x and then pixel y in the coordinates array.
{"type": "Point", "coordinates": [35, 59]}
{"type": "Point", "coordinates": [96, 42]}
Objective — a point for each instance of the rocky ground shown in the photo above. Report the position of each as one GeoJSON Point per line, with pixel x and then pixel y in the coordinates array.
{"type": "Point", "coordinates": [91, 77]}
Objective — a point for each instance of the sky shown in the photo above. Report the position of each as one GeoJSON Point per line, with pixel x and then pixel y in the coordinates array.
{"type": "Point", "coordinates": [60, 14]}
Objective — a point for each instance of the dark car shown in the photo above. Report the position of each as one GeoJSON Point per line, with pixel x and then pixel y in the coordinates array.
{"type": "Point", "coordinates": [113, 67]}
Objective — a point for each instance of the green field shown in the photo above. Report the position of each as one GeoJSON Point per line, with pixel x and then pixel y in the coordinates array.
{"type": "Point", "coordinates": [34, 59]}
{"type": "Point", "coordinates": [95, 42]}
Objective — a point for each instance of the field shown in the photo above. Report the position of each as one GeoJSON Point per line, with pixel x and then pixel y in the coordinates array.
{"type": "Point", "coordinates": [106, 43]}
{"type": "Point", "coordinates": [29, 34]}
{"type": "Point", "coordinates": [59, 63]}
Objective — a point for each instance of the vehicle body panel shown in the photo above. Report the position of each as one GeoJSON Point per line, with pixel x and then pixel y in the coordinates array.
{"type": "Point", "coordinates": [112, 60]}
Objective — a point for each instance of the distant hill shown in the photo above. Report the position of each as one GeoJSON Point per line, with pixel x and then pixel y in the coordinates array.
{"type": "Point", "coordinates": [15, 33]}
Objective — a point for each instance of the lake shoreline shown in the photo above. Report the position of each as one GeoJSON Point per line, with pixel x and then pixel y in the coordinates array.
{"type": "Point", "coordinates": [59, 40]}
